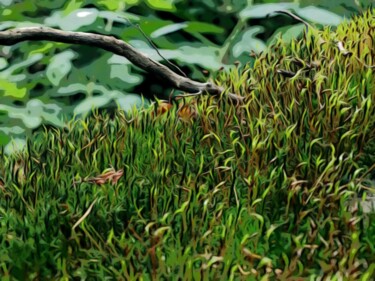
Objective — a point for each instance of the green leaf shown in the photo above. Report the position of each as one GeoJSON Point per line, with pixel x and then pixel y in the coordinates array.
{"type": "Point", "coordinates": [249, 42]}
{"type": "Point", "coordinates": [34, 113]}
{"type": "Point", "coordinates": [288, 33]}
{"type": "Point", "coordinates": [11, 89]}
{"type": "Point", "coordinates": [16, 130]}
{"type": "Point", "coordinates": [205, 56]}
{"type": "Point", "coordinates": [110, 4]}
{"type": "Point", "coordinates": [202, 27]}
{"type": "Point", "coordinates": [6, 2]}
{"type": "Point", "coordinates": [164, 5]}
{"type": "Point", "coordinates": [262, 10]}
{"type": "Point", "coordinates": [4, 138]}
{"type": "Point", "coordinates": [128, 101]}
{"type": "Point", "coordinates": [59, 67]}
{"type": "Point", "coordinates": [91, 102]}
{"type": "Point", "coordinates": [168, 29]}
{"type": "Point", "coordinates": [123, 18]}
{"type": "Point", "coordinates": [319, 15]}
{"type": "Point", "coordinates": [74, 20]}
{"type": "Point", "coordinates": [3, 63]}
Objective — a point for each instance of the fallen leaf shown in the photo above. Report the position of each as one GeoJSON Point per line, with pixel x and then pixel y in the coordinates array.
{"type": "Point", "coordinates": [111, 176]}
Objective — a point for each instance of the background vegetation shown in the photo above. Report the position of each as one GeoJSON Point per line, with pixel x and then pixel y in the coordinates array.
{"type": "Point", "coordinates": [47, 83]}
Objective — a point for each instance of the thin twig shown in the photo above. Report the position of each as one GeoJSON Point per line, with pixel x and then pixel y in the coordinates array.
{"type": "Point", "coordinates": [137, 26]}
{"type": "Point", "coordinates": [297, 18]}
{"type": "Point", "coordinates": [157, 50]}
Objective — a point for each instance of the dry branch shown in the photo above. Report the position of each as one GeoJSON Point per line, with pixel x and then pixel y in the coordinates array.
{"type": "Point", "coordinates": [116, 46]}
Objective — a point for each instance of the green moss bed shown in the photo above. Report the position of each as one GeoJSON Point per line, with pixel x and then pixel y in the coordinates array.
{"type": "Point", "coordinates": [268, 189]}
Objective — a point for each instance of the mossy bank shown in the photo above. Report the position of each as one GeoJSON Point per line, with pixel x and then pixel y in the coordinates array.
{"type": "Point", "coordinates": [215, 191]}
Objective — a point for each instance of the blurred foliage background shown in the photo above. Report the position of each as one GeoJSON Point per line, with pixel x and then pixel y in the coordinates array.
{"type": "Point", "coordinates": [45, 83]}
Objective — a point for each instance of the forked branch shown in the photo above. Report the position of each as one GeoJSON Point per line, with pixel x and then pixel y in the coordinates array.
{"type": "Point", "coordinates": [116, 46]}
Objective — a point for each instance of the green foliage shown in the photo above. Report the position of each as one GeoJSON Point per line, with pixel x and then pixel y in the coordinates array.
{"type": "Point", "coordinates": [263, 189]}
{"type": "Point", "coordinates": [196, 35]}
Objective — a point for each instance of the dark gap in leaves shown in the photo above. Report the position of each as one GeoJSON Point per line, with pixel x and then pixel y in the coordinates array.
{"type": "Point", "coordinates": [86, 55]}
{"type": "Point", "coordinates": [36, 67]}
{"type": "Point", "coordinates": [76, 98]}
{"type": "Point", "coordinates": [271, 24]}
{"type": "Point", "coordinates": [116, 24]}
{"type": "Point", "coordinates": [138, 9]}
{"type": "Point", "coordinates": [96, 94]}
{"type": "Point", "coordinates": [91, 5]}
{"type": "Point", "coordinates": [38, 13]}
{"type": "Point", "coordinates": [181, 36]}
{"type": "Point", "coordinates": [37, 91]}
{"type": "Point", "coordinates": [18, 103]}
{"type": "Point", "coordinates": [169, 16]}
{"type": "Point", "coordinates": [152, 86]}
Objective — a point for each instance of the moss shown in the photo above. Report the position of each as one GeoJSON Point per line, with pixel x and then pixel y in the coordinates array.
{"type": "Point", "coordinates": [214, 189]}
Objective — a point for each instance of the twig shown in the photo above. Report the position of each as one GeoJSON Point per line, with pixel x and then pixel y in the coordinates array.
{"type": "Point", "coordinates": [297, 18]}
{"type": "Point", "coordinates": [157, 50]}
{"type": "Point", "coordinates": [116, 46]}
{"type": "Point", "coordinates": [137, 26]}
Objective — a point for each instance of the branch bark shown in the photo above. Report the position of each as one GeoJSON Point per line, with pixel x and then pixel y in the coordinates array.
{"type": "Point", "coordinates": [116, 46]}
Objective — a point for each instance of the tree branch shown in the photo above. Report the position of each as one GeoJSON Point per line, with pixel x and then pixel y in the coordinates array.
{"type": "Point", "coordinates": [116, 46]}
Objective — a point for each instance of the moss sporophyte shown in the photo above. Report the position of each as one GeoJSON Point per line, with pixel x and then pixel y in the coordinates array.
{"type": "Point", "coordinates": [262, 188]}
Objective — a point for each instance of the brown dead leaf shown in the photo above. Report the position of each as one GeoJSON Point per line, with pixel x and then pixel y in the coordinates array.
{"type": "Point", "coordinates": [187, 112]}
{"type": "Point", "coordinates": [20, 171]}
{"type": "Point", "coordinates": [162, 107]}
{"type": "Point", "coordinates": [2, 185]}
{"type": "Point", "coordinates": [111, 176]}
